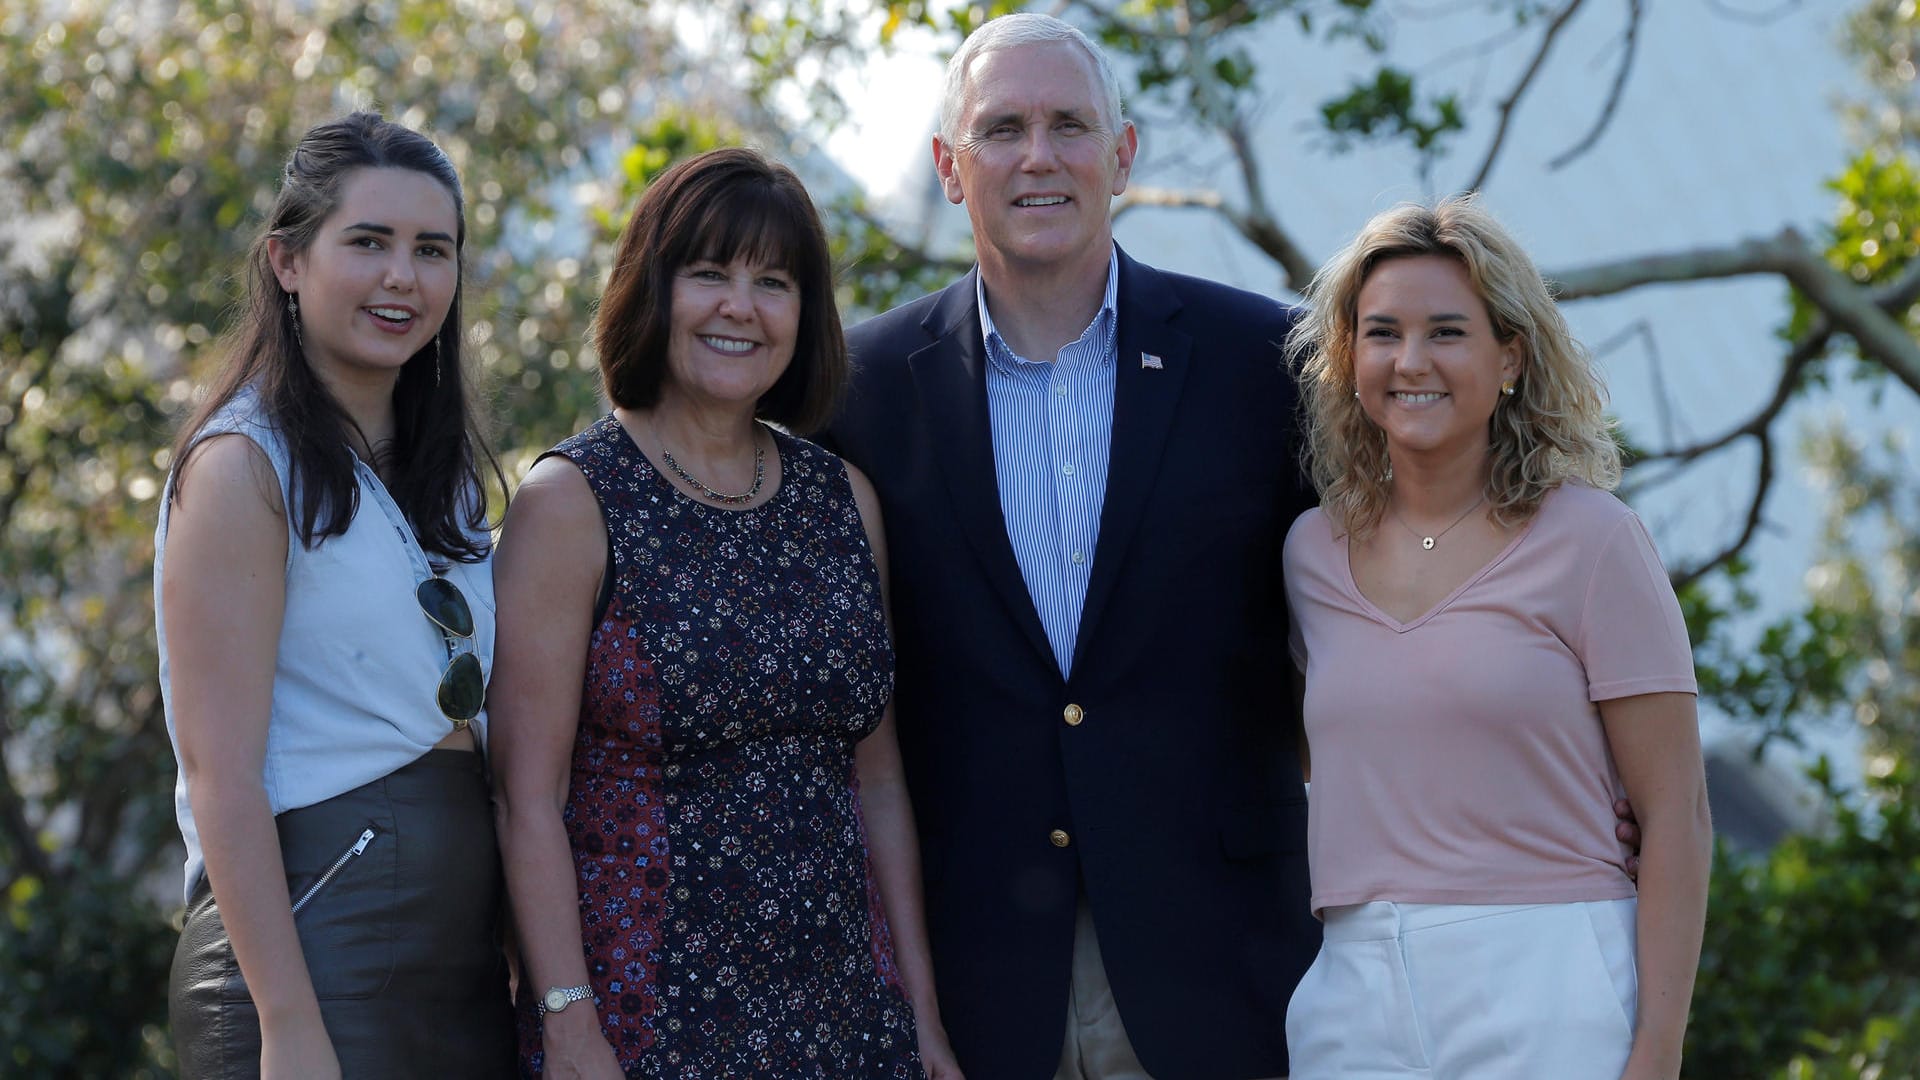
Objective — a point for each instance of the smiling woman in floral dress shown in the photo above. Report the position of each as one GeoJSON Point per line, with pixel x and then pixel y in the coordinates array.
{"type": "Point", "coordinates": [708, 842]}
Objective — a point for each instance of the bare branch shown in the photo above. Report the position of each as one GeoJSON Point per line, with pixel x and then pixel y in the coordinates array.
{"type": "Point", "coordinates": [1773, 255]}
{"type": "Point", "coordinates": [1755, 514]}
{"type": "Point", "coordinates": [1810, 345]}
{"type": "Point", "coordinates": [1265, 234]}
{"type": "Point", "coordinates": [1475, 50]}
{"type": "Point", "coordinates": [1214, 107]}
{"type": "Point", "coordinates": [1857, 312]}
{"type": "Point", "coordinates": [1844, 306]}
{"type": "Point", "coordinates": [1519, 90]}
{"type": "Point", "coordinates": [1896, 296]}
{"type": "Point", "coordinates": [1853, 310]}
{"type": "Point", "coordinates": [1260, 225]}
{"type": "Point", "coordinates": [1630, 45]}
{"type": "Point", "coordinates": [910, 256]}
{"type": "Point", "coordinates": [1757, 18]}
{"type": "Point", "coordinates": [1893, 298]}
{"type": "Point", "coordinates": [1174, 198]}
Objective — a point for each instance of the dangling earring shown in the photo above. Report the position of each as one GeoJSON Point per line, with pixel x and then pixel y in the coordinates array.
{"type": "Point", "coordinates": [436, 359]}
{"type": "Point", "coordinates": [293, 310]}
{"type": "Point", "coordinates": [1507, 388]}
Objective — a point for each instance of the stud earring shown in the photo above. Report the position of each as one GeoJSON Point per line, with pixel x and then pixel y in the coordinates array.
{"type": "Point", "coordinates": [1507, 388]}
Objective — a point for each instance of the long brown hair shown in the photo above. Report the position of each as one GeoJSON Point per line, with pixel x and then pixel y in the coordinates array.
{"type": "Point", "coordinates": [438, 458]}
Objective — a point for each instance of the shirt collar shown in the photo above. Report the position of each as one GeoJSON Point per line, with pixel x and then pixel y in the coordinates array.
{"type": "Point", "coordinates": [1002, 355]}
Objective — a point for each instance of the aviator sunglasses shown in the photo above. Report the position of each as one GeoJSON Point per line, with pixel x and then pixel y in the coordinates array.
{"type": "Point", "coordinates": [462, 686]}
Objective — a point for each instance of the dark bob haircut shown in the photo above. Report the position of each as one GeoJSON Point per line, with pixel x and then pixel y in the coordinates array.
{"type": "Point", "coordinates": [721, 206]}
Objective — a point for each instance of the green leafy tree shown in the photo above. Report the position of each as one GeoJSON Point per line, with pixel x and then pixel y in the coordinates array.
{"type": "Point", "coordinates": [1810, 970]}
{"type": "Point", "coordinates": [140, 141]}
{"type": "Point", "coordinates": [141, 145]}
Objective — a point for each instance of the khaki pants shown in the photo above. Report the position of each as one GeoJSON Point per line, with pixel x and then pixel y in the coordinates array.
{"type": "Point", "coordinates": [1097, 1047]}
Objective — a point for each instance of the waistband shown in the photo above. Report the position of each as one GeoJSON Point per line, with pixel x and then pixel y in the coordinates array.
{"type": "Point", "coordinates": [468, 760]}
{"type": "Point", "coordinates": [1385, 920]}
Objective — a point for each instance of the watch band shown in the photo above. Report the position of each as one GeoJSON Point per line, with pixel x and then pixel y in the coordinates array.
{"type": "Point", "coordinates": [559, 997]}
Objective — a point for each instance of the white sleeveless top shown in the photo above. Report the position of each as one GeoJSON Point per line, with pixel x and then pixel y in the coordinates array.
{"type": "Point", "coordinates": [359, 663]}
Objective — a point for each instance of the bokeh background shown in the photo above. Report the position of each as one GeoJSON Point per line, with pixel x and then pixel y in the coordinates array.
{"type": "Point", "coordinates": [1728, 192]}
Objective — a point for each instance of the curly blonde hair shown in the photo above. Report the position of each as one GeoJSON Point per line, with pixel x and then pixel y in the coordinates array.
{"type": "Point", "coordinates": [1552, 429]}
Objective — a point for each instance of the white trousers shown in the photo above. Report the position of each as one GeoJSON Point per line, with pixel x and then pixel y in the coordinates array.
{"type": "Point", "coordinates": [1468, 992]}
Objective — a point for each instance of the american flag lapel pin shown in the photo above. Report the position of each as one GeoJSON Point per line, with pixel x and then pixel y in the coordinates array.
{"type": "Point", "coordinates": [1150, 362]}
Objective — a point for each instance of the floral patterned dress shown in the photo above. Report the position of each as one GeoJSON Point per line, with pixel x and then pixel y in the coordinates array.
{"type": "Point", "coordinates": [731, 920]}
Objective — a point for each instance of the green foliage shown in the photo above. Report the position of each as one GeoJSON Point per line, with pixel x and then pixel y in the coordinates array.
{"type": "Point", "coordinates": [1868, 575]}
{"type": "Point", "coordinates": [84, 966]}
{"type": "Point", "coordinates": [957, 20]}
{"type": "Point", "coordinates": [1387, 107]}
{"type": "Point", "coordinates": [1797, 668]}
{"type": "Point", "coordinates": [1811, 967]}
{"type": "Point", "coordinates": [1875, 234]}
{"type": "Point", "coordinates": [1886, 1047]}
{"type": "Point", "coordinates": [1877, 227]}
{"type": "Point", "coordinates": [137, 167]}
{"type": "Point", "coordinates": [1884, 36]}
{"type": "Point", "coordinates": [138, 142]}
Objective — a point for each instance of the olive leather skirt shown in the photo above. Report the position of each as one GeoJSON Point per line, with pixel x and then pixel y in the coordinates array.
{"type": "Point", "coordinates": [397, 900]}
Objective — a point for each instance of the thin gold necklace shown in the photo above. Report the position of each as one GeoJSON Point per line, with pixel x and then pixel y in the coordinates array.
{"type": "Point", "coordinates": [1427, 542]}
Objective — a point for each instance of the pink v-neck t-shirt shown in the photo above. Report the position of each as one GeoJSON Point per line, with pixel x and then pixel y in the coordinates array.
{"type": "Point", "coordinates": [1459, 758]}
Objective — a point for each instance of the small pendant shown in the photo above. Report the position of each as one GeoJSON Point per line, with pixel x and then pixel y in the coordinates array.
{"type": "Point", "coordinates": [1427, 542]}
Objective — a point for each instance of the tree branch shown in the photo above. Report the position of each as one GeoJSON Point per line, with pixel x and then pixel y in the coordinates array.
{"type": "Point", "coordinates": [1682, 578]}
{"type": "Point", "coordinates": [1853, 310]}
{"type": "Point", "coordinates": [1265, 234]}
{"type": "Point", "coordinates": [1773, 255]}
{"type": "Point", "coordinates": [1757, 18]}
{"type": "Point", "coordinates": [1214, 106]}
{"type": "Point", "coordinates": [1174, 198]}
{"type": "Point", "coordinates": [1889, 303]}
{"type": "Point", "coordinates": [1810, 345]}
{"type": "Point", "coordinates": [1635, 10]}
{"type": "Point", "coordinates": [1896, 296]}
{"type": "Point", "coordinates": [1857, 312]}
{"type": "Point", "coordinates": [1259, 224]}
{"type": "Point", "coordinates": [911, 256]}
{"type": "Point", "coordinates": [1519, 90]}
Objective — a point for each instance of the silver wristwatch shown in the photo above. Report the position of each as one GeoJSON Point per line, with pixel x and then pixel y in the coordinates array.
{"type": "Point", "coordinates": [559, 997]}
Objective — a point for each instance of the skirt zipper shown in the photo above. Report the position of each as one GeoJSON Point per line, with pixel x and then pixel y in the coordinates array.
{"type": "Point", "coordinates": [346, 856]}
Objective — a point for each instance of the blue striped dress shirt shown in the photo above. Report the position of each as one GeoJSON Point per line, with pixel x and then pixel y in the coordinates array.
{"type": "Point", "coordinates": [1052, 428]}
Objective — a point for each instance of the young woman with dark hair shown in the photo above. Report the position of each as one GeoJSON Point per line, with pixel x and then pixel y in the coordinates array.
{"type": "Point", "coordinates": [324, 607]}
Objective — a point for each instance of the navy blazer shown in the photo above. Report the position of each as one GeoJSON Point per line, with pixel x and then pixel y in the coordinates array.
{"type": "Point", "coordinates": [1159, 777]}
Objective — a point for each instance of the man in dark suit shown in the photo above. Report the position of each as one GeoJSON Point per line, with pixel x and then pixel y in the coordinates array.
{"type": "Point", "coordinates": [1086, 475]}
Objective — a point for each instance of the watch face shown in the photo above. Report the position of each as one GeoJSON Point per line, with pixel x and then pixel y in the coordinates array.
{"type": "Point", "coordinates": [557, 999]}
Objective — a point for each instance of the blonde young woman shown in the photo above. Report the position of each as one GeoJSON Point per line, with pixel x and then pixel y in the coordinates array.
{"type": "Point", "coordinates": [1492, 655]}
